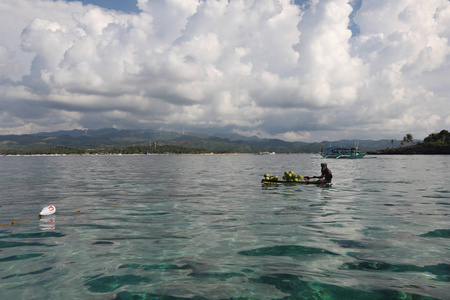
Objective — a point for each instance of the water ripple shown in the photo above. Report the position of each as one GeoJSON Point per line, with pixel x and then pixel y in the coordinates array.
{"type": "Point", "coordinates": [438, 233]}
{"type": "Point", "coordinates": [285, 250]}
{"type": "Point", "coordinates": [111, 283]}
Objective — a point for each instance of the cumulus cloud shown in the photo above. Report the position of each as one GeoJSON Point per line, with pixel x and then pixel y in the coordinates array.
{"type": "Point", "coordinates": [279, 69]}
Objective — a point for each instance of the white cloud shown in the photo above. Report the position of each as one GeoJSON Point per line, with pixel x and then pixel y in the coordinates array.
{"type": "Point", "coordinates": [270, 67]}
{"type": "Point", "coordinates": [403, 43]}
{"type": "Point", "coordinates": [328, 74]}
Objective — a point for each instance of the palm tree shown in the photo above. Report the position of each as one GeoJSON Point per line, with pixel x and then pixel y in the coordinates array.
{"type": "Point", "coordinates": [408, 138]}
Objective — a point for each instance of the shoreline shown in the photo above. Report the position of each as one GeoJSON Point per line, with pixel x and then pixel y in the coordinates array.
{"type": "Point", "coordinates": [136, 154]}
{"type": "Point", "coordinates": [413, 150]}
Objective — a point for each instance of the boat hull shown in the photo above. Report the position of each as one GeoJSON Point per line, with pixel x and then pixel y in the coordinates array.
{"type": "Point", "coordinates": [302, 182]}
{"type": "Point", "coordinates": [340, 156]}
{"type": "Point", "coordinates": [339, 153]}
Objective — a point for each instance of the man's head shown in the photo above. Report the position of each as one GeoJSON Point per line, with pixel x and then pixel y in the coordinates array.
{"type": "Point", "coordinates": [323, 165]}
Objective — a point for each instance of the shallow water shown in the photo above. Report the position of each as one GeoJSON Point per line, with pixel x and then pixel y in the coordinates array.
{"type": "Point", "coordinates": [203, 227]}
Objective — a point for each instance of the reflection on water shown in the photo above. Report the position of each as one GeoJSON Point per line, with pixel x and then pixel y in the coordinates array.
{"type": "Point", "coordinates": [203, 227]}
{"type": "Point", "coordinates": [47, 222]}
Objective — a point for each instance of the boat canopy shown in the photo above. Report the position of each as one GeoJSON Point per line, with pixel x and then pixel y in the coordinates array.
{"type": "Point", "coordinates": [339, 148]}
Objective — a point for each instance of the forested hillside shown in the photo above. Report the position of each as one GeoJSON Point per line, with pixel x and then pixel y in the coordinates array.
{"type": "Point", "coordinates": [140, 141]}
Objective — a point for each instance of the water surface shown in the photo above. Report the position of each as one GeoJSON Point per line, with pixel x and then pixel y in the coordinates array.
{"type": "Point", "coordinates": [203, 227]}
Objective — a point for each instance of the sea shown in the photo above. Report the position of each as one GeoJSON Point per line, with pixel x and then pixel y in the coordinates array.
{"type": "Point", "coordinates": [204, 227]}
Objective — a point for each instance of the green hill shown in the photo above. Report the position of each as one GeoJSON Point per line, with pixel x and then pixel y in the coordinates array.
{"type": "Point", "coordinates": [435, 143]}
{"type": "Point", "coordinates": [111, 140]}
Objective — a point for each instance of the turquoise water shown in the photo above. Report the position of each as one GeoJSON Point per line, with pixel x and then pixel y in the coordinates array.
{"type": "Point", "coordinates": [203, 227]}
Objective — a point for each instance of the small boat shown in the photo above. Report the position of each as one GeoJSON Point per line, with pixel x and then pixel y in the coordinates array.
{"type": "Point", "coordinates": [337, 152]}
{"type": "Point", "coordinates": [280, 182]}
{"type": "Point", "coordinates": [267, 153]}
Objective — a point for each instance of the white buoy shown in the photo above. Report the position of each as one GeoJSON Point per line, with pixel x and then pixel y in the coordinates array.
{"type": "Point", "coordinates": [48, 210]}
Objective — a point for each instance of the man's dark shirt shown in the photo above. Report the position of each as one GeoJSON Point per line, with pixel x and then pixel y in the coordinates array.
{"type": "Point", "coordinates": [327, 174]}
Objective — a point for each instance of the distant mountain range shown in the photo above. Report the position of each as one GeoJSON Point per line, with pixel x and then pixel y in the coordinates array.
{"type": "Point", "coordinates": [112, 138]}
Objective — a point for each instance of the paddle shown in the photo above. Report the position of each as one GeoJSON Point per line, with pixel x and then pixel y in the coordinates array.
{"type": "Point", "coordinates": [308, 177]}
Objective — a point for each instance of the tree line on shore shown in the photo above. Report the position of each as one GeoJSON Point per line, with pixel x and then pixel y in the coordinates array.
{"type": "Point", "coordinates": [435, 143]}
{"type": "Point", "coordinates": [136, 149]}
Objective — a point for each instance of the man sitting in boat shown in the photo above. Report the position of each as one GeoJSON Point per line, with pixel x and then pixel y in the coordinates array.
{"type": "Point", "coordinates": [325, 177]}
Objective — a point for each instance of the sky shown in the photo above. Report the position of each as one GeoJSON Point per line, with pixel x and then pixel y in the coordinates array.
{"type": "Point", "coordinates": [305, 70]}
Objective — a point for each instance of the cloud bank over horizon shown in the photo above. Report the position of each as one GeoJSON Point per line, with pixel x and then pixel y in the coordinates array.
{"type": "Point", "coordinates": [268, 68]}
